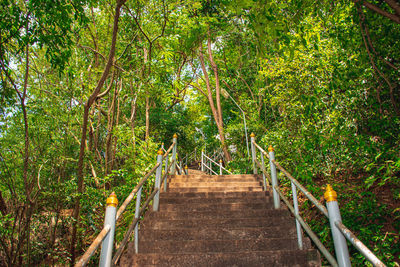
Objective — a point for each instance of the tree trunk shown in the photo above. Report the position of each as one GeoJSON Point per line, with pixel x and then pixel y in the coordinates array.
{"type": "Point", "coordinates": [87, 106]}
{"type": "Point", "coordinates": [147, 133]}
{"type": "Point", "coordinates": [3, 205]}
{"type": "Point", "coordinates": [110, 127]}
{"type": "Point", "coordinates": [216, 111]}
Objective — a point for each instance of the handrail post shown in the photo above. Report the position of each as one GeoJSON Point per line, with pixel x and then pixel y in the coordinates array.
{"type": "Point", "coordinates": [220, 167]}
{"type": "Point", "coordinates": [339, 241]}
{"type": "Point", "coordinates": [277, 201]}
{"type": "Point", "coordinates": [202, 161]}
{"type": "Point", "coordinates": [263, 175]}
{"type": "Point", "coordinates": [296, 211]}
{"type": "Point", "coordinates": [180, 162]}
{"type": "Point", "coordinates": [158, 180]}
{"type": "Point", "coordinates": [137, 211]}
{"type": "Point", "coordinates": [165, 171]}
{"type": "Point", "coordinates": [175, 140]}
{"type": "Point", "coordinates": [253, 152]}
{"type": "Point", "coordinates": [107, 245]}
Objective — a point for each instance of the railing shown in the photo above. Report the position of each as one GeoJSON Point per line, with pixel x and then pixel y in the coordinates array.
{"type": "Point", "coordinates": [191, 157]}
{"type": "Point", "coordinates": [339, 231]}
{"type": "Point", "coordinates": [106, 235]}
{"type": "Point", "coordinates": [207, 165]}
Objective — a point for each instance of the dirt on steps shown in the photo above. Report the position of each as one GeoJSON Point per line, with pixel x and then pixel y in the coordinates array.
{"type": "Point", "coordinates": [218, 221]}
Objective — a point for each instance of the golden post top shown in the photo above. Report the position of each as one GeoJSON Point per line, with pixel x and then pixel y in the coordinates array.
{"type": "Point", "coordinates": [330, 194]}
{"type": "Point", "coordinates": [112, 200]}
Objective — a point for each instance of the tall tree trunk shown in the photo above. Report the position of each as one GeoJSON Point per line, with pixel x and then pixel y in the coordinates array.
{"type": "Point", "coordinates": [132, 120]}
{"type": "Point", "coordinates": [3, 205]}
{"type": "Point", "coordinates": [112, 122]}
{"type": "Point", "coordinates": [87, 106]}
{"type": "Point", "coordinates": [216, 110]}
{"type": "Point", "coordinates": [147, 111]}
{"type": "Point", "coordinates": [110, 127]}
{"type": "Point", "coordinates": [114, 152]}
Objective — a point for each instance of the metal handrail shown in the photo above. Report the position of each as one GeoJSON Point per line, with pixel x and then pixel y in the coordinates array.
{"type": "Point", "coordinates": [359, 245]}
{"type": "Point", "coordinates": [187, 157]}
{"type": "Point", "coordinates": [103, 233]}
{"type": "Point", "coordinates": [334, 218]}
{"type": "Point", "coordinates": [211, 170]}
{"type": "Point", "coordinates": [310, 232]}
{"type": "Point", "coordinates": [305, 191]}
{"type": "Point", "coordinates": [166, 173]}
{"type": "Point", "coordinates": [168, 150]}
{"type": "Point", "coordinates": [292, 179]}
{"type": "Point", "coordinates": [128, 233]}
{"type": "Point", "coordinates": [264, 171]}
{"type": "Point", "coordinates": [128, 200]}
{"type": "Point", "coordinates": [95, 244]}
{"type": "Point", "coordinates": [218, 164]}
{"type": "Point", "coordinates": [113, 216]}
{"type": "Point", "coordinates": [179, 168]}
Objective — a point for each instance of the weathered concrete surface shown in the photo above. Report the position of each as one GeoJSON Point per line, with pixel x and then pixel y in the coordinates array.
{"type": "Point", "coordinates": [218, 221]}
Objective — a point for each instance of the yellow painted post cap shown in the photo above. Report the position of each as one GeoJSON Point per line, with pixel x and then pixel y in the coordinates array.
{"type": "Point", "coordinates": [112, 200]}
{"type": "Point", "coordinates": [252, 135]}
{"type": "Point", "coordinates": [330, 194]}
{"type": "Point", "coordinates": [160, 152]}
{"type": "Point", "coordinates": [270, 148]}
{"type": "Point", "coordinates": [175, 135]}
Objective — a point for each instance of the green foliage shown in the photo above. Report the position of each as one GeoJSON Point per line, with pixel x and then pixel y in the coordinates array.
{"type": "Point", "coordinates": [299, 70]}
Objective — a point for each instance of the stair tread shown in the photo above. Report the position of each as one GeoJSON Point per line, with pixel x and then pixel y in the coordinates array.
{"type": "Point", "coordinates": [225, 233]}
{"type": "Point", "coordinates": [225, 213]}
{"type": "Point", "coordinates": [218, 245]}
{"type": "Point", "coordinates": [213, 194]}
{"type": "Point", "coordinates": [210, 189]}
{"type": "Point", "coordinates": [290, 258]}
{"type": "Point", "coordinates": [226, 220]}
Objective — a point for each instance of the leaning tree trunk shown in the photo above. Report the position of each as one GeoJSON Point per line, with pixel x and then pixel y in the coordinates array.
{"type": "Point", "coordinates": [215, 109]}
{"type": "Point", "coordinates": [87, 106]}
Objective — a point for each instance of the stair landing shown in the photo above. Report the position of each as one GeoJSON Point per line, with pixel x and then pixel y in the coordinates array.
{"type": "Point", "coordinates": [224, 220]}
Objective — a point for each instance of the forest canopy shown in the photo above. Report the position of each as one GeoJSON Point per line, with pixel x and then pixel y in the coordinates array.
{"type": "Point", "coordinates": [89, 90]}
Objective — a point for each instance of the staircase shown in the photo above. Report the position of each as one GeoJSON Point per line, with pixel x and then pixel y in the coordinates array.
{"type": "Point", "coordinates": [224, 220]}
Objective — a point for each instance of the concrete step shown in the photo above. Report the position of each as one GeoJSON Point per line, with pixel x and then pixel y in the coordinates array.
{"type": "Point", "coordinates": [213, 179]}
{"type": "Point", "coordinates": [234, 176]}
{"type": "Point", "coordinates": [208, 214]}
{"type": "Point", "coordinates": [215, 206]}
{"type": "Point", "coordinates": [224, 220]}
{"type": "Point", "coordinates": [216, 189]}
{"type": "Point", "coordinates": [284, 258]}
{"type": "Point", "coordinates": [187, 200]}
{"type": "Point", "coordinates": [222, 234]}
{"type": "Point", "coordinates": [225, 223]}
{"type": "Point", "coordinates": [213, 184]}
{"type": "Point", "coordinates": [199, 246]}
{"type": "Point", "coordinates": [238, 195]}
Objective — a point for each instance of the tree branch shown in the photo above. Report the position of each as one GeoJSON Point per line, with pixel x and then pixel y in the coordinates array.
{"type": "Point", "coordinates": [392, 17]}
